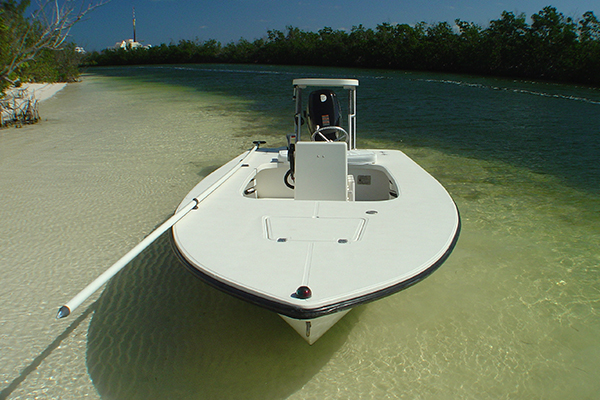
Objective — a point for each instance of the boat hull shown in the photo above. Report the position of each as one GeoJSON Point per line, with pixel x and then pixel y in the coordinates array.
{"type": "Point", "coordinates": [253, 239]}
{"type": "Point", "coordinates": [312, 329]}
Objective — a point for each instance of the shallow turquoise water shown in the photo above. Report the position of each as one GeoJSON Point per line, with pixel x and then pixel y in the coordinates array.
{"type": "Point", "coordinates": [514, 312]}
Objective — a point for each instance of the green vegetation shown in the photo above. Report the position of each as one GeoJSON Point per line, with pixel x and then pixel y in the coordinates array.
{"type": "Point", "coordinates": [33, 47]}
{"type": "Point", "coordinates": [551, 47]}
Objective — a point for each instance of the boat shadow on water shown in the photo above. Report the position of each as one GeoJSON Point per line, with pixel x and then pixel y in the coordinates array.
{"type": "Point", "coordinates": [157, 332]}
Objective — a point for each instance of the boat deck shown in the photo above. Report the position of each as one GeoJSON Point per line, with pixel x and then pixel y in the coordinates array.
{"type": "Point", "coordinates": [262, 244]}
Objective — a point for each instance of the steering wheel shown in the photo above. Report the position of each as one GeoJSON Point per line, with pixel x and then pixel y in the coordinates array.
{"type": "Point", "coordinates": [343, 137]}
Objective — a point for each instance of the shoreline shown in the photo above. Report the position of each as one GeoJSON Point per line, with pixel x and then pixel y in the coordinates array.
{"type": "Point", "coordinates": [23, 100]}
{"type": "Point", "coordinates": [37, 91]}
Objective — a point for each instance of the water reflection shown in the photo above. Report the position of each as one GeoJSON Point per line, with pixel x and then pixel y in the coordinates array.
{"type": "Point", "coordinates": [158, 332]}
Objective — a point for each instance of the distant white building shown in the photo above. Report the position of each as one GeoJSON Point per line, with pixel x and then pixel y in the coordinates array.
{"type": "Point", "coordinates": [130, 44]}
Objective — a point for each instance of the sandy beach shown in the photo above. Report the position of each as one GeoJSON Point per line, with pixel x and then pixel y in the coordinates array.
{"type": "Point", "coordinates": [14, 97]}
{"type": "Point", "coordinates": [40, 91]}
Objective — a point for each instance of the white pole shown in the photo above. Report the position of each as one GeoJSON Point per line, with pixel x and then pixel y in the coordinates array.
{"type": "Point", "coordinates": [82, 296]}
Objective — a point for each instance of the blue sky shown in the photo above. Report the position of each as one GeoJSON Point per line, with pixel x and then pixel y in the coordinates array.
{"type": "Point", "coordinates": [166, 21]}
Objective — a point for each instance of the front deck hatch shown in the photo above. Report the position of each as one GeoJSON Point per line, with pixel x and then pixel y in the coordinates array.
{"type": "Point", "coordinates": [314, 229]}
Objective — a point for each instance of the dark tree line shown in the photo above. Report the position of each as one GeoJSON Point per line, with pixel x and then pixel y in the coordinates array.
{"type": "Point", "coordinates": [551, 46]}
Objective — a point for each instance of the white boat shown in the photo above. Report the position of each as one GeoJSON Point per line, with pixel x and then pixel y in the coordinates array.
{"type": "Point", "coordinates": [312, 230]}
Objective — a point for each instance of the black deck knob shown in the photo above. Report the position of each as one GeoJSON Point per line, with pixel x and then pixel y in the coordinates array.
{"type": "Point", "coordinates": [303, 292]}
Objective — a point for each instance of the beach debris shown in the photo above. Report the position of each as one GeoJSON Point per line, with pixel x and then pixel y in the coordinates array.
{"type": "Point", "coordinates": [18, 107]}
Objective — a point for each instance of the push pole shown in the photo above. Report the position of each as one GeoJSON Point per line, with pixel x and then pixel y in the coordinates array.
{"type": "Point", "coordinates": [82, 296]}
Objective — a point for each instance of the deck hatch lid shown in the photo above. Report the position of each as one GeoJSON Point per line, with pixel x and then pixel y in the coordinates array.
{"type": "Point", "coordinates": [314, 229]}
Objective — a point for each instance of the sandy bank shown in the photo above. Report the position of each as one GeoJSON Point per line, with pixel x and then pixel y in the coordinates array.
{"type": "Point", "coordinates": [39, 91]}
{"type": "Point", "coordinates": [22, 101]}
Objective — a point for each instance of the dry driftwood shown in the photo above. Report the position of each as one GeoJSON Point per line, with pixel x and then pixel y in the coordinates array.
{"type": "Point", "coordinates": [17, 108]}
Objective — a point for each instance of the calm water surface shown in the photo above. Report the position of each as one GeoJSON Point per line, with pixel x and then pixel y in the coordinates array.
{"type": "Point", "coordinates": [514, 312]}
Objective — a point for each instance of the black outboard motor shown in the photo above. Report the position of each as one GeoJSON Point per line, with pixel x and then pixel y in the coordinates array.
{"type": "Point", "coordinates": [323, 110]}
